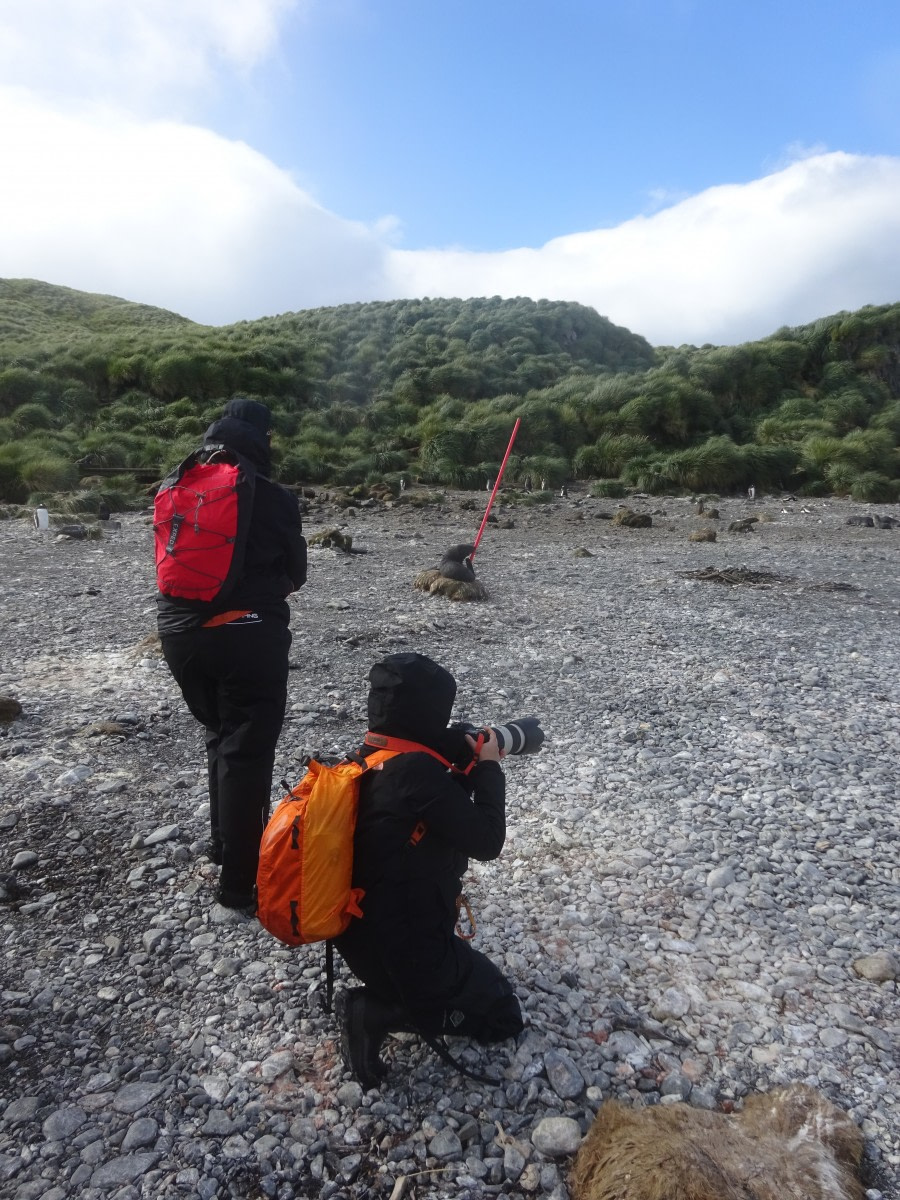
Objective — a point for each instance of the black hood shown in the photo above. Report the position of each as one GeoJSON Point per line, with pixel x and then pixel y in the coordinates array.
{"type": "Point", "coordinates": [411, 697]}
{"type": "Point", "coordinates": [251, 411]}
{"type": "Point", "coordinates": [244, 427]}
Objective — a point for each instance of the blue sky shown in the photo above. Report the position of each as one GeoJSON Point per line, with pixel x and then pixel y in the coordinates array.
{"type": "Point", "coordinates": [497, 123]}
{"type": "Point", "coordinates": [696, 170]}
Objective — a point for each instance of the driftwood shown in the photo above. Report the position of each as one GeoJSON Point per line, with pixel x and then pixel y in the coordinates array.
{"type": "Point", "coordinates": [735, 575]}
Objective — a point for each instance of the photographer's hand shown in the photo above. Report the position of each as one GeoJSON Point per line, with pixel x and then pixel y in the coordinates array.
{"type": "Point", "coordinates": [490, 750]}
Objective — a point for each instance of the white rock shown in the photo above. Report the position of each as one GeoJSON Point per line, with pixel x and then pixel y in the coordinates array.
{"type": "Point", "coordinates": [556, 1136]}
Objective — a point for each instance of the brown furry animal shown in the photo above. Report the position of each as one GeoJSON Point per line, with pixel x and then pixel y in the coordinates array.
{"type": "Point", "coordinates": [436, 584]}
{"type": "Point", "coordinates": [632, 520]}
{"type": "Point", "coordinates": [454, 578]}
{"type": "Point", "coordinates": [332, 539]}
{"type": "Point", "coordinates": [791, 1142]}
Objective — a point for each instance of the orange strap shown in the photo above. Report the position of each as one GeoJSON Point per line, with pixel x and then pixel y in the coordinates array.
{"type": "Point", "coordinates": [225, 617]}
{"type": "Point", "coordinates": [379, 741]}
{"type": "Point", "coordinates": [479, 742]}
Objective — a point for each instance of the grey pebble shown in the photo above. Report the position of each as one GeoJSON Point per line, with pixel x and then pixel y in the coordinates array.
{"type": "Point", "coordinates": [74, 776]}
{"type": "Point", "coordinates": [142, 1132]}
{"type": "Point", "coordinates": [565, 1078]}
{"type": "Point", "coordinates": [122, 1170]}
{"type": "Point", "coordinates": [61, 1124]}
{"type": "Point", "coordinates": [513, 1163]}
{"type": "Point", "coordinates": [445, 1145]}
{"type": "Point", "coordinates": [134, 1096]}
{"type": "Point", "coordinates": [166, 833]}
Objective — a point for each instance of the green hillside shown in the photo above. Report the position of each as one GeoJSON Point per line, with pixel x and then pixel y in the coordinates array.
{"type": "Point", "coordinates": [94, 390]}
{"type": "Point", "coordinates": [32, 312]}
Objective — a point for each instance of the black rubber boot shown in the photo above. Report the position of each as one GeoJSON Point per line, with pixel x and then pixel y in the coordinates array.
{"type": "Point", "coordinates": [213, 851]}
{"type": "Point", "coordinates": [245, 902]}
{"type": "Point", "coordinates": [365, 1023]}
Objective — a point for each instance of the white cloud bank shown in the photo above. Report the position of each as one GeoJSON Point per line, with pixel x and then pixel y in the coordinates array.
{"type": "Point", "coordinates": [170, 215]}
{"type": "Point", "coordinates": [174, 215]}
{"type": "Point", "coordinates": [728, 265]}
{"type": "Point", "coordinates": [141, 53]}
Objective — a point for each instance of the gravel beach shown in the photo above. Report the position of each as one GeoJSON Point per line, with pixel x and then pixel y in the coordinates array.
{"type": "Point", "coordinates": [698, 897]}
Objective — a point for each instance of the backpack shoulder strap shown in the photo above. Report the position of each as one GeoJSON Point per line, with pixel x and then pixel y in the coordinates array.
{"type": "Point", "coordinates": [176, 473]}
{"type": "Point", "coordinates": [380, 741]}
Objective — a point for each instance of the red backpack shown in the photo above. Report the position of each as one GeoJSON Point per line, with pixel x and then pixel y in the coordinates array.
{"type": "Point", "coordinates": [201, 516]}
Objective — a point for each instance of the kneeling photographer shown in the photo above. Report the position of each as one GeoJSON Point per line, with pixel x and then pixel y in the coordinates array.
{"type": "Point", "coordinates": [418, 824]}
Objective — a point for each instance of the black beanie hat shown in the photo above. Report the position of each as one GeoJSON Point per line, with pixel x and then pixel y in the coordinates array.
{"type": "Point", "coordinates": [251, 411]}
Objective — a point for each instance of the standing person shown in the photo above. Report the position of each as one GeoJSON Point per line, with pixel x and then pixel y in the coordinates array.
{"type": "Point", "coordinates": [417, 826]}
{"type": "Point", "coordinates": [231, 659]}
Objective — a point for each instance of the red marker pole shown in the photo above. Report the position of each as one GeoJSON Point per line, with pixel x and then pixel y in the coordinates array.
{"type": "Point", "coordinates": [496, 485]}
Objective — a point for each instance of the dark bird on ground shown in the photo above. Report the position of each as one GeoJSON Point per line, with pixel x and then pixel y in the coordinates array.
{"type": "Point", "coordinates": [456, 563]}
{"type": "Point", "coordinates": [454, 578]}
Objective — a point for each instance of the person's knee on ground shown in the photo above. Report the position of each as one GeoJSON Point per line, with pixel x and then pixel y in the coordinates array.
{"type": "Point", "coordinates": [366, 1020]}
{"type": "Point", "coordinates": [485, 1007]}
{"type": "Point", "coordinates": [502, 1020]}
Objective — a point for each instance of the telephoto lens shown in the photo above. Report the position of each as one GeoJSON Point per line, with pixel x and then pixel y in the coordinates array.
{"type": "Point", "coordinates": [522, 736]}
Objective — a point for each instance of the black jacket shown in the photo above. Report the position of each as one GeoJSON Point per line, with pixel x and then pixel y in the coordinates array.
{"type": "Point", "coordinates": [417, 827]}
{"type": "Point", "coordinates": [275, 555]}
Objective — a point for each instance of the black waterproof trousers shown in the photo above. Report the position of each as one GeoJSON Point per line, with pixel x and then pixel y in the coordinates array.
{"type": "Point", "coordinates": [234, 681]}
{"type": "Point", "coordinates": [464, 994]}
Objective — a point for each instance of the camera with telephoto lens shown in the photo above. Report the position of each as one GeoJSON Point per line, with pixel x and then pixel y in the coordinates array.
{"type": "Point", "coordinates": [521, 736]}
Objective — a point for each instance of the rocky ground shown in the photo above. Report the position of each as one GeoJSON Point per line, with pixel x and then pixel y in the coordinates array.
{"type": "Point", "coordinates": [698, 896]}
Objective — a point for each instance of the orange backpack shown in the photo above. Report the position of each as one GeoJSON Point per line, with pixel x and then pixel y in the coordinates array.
{"type": "Point", "coordinates": [304, 883]}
